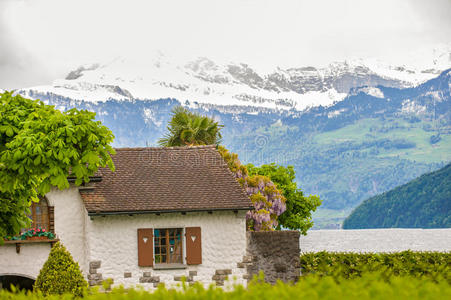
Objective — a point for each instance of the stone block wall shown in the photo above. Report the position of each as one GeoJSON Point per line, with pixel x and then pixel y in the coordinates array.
{"type": "Point", "coordinates": [276, 253]}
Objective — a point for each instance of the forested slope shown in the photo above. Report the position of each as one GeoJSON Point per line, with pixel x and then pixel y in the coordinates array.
{"type": "Point", "coordinates": [424, 202]}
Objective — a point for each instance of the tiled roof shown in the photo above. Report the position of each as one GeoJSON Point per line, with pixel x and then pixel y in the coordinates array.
{"type": "Point", "coordinates": [165, 179]}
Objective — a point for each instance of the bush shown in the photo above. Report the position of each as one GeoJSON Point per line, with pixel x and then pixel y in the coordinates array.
{"type": "Point", "coordinates": [60, 274]}
{"type": "Point", "coordinates": [348, 265]}
{"type": "Point", "coordinates": [369, 286]}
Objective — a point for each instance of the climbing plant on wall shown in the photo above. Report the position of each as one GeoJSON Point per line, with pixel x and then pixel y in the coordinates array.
{"type": "Point", "coordinates": [298, 214]}
{"type": "Point", "coordinates": [268, 201]}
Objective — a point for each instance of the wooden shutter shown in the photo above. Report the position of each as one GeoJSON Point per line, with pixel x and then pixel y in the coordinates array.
{"type": "Point", "coordinates": [51, 218]}
{"type": "Point", "coordinates": [145, 247]}
{"type": "Point", "coordinates": [193, 246]}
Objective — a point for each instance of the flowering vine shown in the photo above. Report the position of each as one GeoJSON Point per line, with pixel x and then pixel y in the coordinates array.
{"type": "Point", "coordinates": [268, 201]}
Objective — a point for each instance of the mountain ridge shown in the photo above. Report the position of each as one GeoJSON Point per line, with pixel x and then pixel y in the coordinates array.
{"type": "Point", "coordinates": [205, 81]}
{"type": "Point", "coordinates": [370, 142]}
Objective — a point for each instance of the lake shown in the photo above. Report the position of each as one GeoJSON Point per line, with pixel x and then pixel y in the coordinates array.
{"type": "Point", "coordinates": [376, 240]}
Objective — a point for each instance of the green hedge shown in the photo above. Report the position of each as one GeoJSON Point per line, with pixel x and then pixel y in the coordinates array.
{"type": "Point", "coordinates": [417, 264]}
{"type": "Point", "coordinates": [369, 286]}
{"type": "Point", "coordinates": [60, 274]}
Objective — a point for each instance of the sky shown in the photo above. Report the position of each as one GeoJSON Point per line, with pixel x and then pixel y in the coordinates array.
{"type": "Point", "coordinates": [42, 40]}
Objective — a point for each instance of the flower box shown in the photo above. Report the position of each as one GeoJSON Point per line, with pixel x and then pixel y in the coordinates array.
{"type": "Point", "coordinates": [32, 234]}
{"type": "Point", "coordinates": [37, 238]}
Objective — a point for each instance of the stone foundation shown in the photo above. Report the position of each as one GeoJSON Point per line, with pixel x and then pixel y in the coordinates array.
{"type": "Point", "coordinates": [276, 253]}
{"type": "Point", "coordinates": [94, 276]}
{"type": "Point", "coordinates": [220, 276]}
{"type": "Point", "coordinates": [147, 278]}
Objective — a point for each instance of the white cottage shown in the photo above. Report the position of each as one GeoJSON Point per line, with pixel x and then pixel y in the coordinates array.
{"type": "Point", "coordinates": [163, 214]}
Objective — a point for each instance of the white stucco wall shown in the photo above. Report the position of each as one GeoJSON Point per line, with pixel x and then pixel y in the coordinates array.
{"type": "Point", "coordinates": [113, 241]}
{"type": "Point", "coordinates": [70, 221]}
{"type": "Point", "coordinates": [27, 263]}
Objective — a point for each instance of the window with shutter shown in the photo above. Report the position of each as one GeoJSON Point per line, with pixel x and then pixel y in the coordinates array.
{"type": "Point", "coordinates": [193, 245]}
{"type": "Point", "coordinates": [165, 246]}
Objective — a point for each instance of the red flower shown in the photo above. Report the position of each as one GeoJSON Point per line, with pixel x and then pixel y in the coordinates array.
{"type": "Point", "coordinates": [43, 230]}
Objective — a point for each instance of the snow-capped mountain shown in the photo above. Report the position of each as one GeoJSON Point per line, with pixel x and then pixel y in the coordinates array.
{"type": "Point", "coordinates": [204, 81]}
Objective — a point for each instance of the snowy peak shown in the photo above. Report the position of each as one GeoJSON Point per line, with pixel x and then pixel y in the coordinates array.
{"type": "Point", "coordinates": [203, 80]}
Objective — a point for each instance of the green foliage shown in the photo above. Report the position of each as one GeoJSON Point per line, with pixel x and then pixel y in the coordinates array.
{"type": "Point", "coordinates": [188, 129]}
{"type": "Point", "coordinates": [233, 162]}
{"type": "Point", "coordinates": [421, 203]}
{"type": "Point", "coordinates": [30, 233]}
{"type": "Point", "coordinates": [267, 199]}
{"type": "Point", "coordinates": [407, 263]}
{"type": "Point", "coordinates": [60, 274]}
{"type": "Point", "coordinates": [39, 146]}
{"type": "Point", "coordinates": [298, 214]}
{"type": "Point", "coordinates": [373, 286]}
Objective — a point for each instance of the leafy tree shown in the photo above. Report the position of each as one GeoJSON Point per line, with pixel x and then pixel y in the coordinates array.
{"type": "Point", "coordinates": [189, 129]}
{"type": "Point", "coordinates": [60, 274]}
{"type": "Point", "coordinates": [39, 148]}
{"type": "Point", "coordinates": [298, 214]}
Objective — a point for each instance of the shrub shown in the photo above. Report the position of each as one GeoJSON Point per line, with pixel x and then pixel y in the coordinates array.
{"type": "Point", "coordinates": [60, 274]}
{"type": "Point", "coordinates": [369, 286]}
{"type": "Point", "coordinates": [348, 265]}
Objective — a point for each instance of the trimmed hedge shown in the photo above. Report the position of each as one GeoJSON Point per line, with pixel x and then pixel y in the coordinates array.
{"type": "Point", "coordinates": [417, 264]}
{"type": "Point", "coordinates": [369, 286]}
{"type": "Point", "coordinates": [60, 274]}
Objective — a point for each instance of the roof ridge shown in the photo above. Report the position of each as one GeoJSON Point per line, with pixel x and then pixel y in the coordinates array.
{"type": "Point", "coordinates": [166, 148]}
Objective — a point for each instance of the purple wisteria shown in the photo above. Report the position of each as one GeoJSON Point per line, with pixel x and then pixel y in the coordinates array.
{"type": "Point", "coordinates": [268, 201]}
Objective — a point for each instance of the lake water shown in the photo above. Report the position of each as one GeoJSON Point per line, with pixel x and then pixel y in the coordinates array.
{"type": "Point", "coordinates": [376, 240]}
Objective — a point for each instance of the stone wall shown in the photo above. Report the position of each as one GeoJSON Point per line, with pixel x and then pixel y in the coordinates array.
{"type": "Point", "coordinates": [276, 253]}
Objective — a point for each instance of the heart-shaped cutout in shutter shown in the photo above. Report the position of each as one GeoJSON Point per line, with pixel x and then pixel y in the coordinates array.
{"type": "Point", "coordinates": [193, 237]}
{"type": "Point", "coordinates": [145, 239]}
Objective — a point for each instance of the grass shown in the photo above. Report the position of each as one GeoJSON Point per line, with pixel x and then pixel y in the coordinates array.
{"type": "Point", "coordinates": [375, 129]}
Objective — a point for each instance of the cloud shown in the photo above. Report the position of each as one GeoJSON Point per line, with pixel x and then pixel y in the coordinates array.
{"type": "Point", "coordinates": [48, 38]}
{"type": "Point", "coordinates": [18, 67]}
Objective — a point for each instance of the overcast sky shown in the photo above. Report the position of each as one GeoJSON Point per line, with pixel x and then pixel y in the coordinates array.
{"type": "Point", "coordinates": [41, 40]}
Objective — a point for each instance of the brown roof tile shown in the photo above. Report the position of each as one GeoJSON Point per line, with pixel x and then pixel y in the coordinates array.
{"type": "Point", "coordinates": [164, 180]}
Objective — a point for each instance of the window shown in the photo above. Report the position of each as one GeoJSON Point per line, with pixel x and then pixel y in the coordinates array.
{"type": "Point", "coordinates": [40, 214]}
{"type": "Point", "coordinates": [168, 246]}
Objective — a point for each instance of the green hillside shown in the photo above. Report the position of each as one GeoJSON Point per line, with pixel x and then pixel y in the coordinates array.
{"type": "Point", "coordinates": [422, 203]}
{"type": "Point", "coordinates": [349, 164]}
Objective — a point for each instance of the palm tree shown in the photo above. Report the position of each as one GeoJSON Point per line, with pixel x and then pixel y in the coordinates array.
{"type": "Point", "coordinates": [190, 129]}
